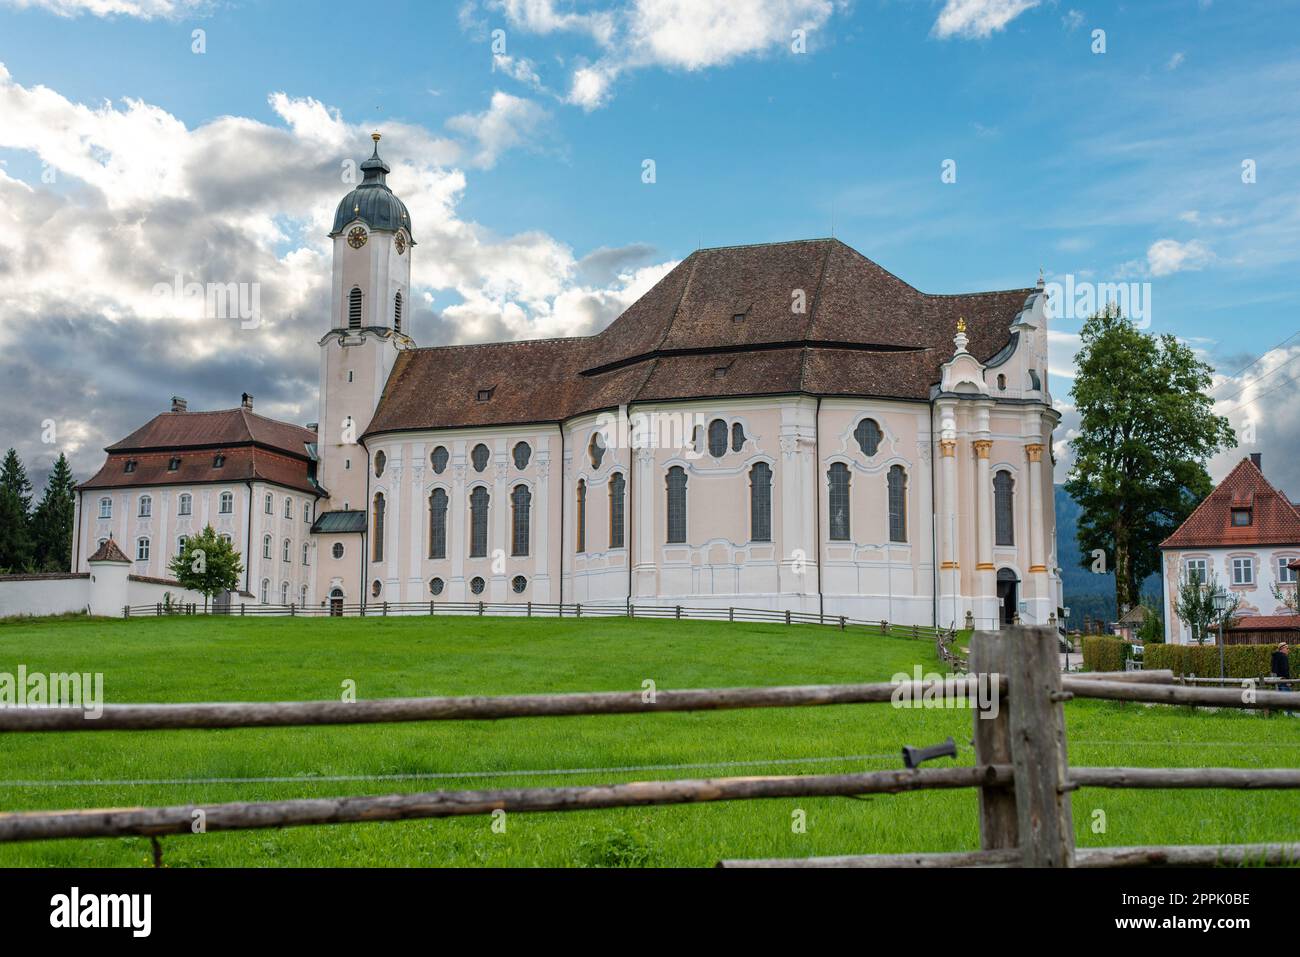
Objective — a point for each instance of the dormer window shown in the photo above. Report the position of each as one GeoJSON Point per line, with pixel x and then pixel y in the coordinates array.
{"type": "Point", "coordinates": [485, 395]}
{"type": "Point", "coordinates": [218, 460]}
{"type": "Point", "coordinates": [738, 317]}
{"type": "Point", "coordinates": [130, 465]}
{"type": "Point", "coordinates": [173, 463]}
{"type": "Point", "coordinates": [1241, 517]}
{"type": "Point", "coordinates": [720, 372]}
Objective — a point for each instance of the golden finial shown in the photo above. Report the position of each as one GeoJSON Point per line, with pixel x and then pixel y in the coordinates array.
{"type": "Point", "coordinates": [375, 136]}
{"type": "Point", "coordinates": [961, 324]}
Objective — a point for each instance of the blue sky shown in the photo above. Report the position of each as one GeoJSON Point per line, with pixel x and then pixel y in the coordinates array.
{"type": "Point", "coordinates": [1122, 166]}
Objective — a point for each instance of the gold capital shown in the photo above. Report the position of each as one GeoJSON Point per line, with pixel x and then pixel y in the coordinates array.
{"type": "Point", "coordinates": [1034, 451]}
{"type": "Point", "coordinates": [948, 447]}
{"type": "Point", "coordinates": [982, 447]}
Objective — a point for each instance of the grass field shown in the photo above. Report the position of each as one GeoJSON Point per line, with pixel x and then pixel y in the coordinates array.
{"type": "Point", "coordinates": [193, 659]}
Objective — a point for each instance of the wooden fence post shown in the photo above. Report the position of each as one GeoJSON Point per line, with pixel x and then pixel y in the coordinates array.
{"type": "Point", "coordinates": [999, 828]}
{"type": "Point", "coordinates": [1045, 821]}
{"type": "Point", "coordinates": [579, 610]}
{"type": "Point", "coordinates": [841, 622]}
{"type": "Point", "coordinates": [126, 611]}
{"type": "Point", "coordinates": [679, 612]}
{"type": "Point", "coordinates": [787, 616]}
{"type": "Point", "coordinates": [530, 609]}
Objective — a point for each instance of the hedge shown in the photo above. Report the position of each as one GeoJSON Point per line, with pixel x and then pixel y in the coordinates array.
{"type": "Point", "coordinates": [1239, 661]}
{"type": "Point", "coordinates": [1105, 653]}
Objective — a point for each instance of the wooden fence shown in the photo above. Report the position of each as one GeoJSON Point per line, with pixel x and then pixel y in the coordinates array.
{"type": "Point", "coordinates": [1020, 769]}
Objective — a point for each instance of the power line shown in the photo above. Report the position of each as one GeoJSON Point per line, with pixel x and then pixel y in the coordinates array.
{"type": "Point", "coordinates": [1255, 361]}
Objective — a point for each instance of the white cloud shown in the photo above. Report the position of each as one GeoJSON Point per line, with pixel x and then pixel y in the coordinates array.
{"type": "Point", "coordinates": [519, 68]}
{"type": "Point", "coordinates": [672, 34]}
{"type": "Point", "coordinates": [140, 197]}
{"type": "Point", "coordinates": [1072, 20]}
{"type": "Point", "coordinates": [1176, 61]}
{"type": "Point", "coordinates": [978, 18]}
{"type": "Point", "coordinates": [509, 122]}
{"type": "Point", "coordinates": [1168, 256]}
{"type": "Point", "coordinates": [144, 9]}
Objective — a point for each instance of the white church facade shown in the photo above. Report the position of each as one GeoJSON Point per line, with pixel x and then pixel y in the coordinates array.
{"type": "Point", "coordinates": [783, 425]}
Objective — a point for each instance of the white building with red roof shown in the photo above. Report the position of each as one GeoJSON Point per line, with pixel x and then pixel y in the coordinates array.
{"type": "Point", "coordinates": [1247, 534]}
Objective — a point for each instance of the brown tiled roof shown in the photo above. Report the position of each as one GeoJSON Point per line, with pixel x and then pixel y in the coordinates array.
{"type": "Point", "coordinates": [196, 468]}
{"type": "Point", "coordinates": [1266, 623]}
{"type": "Point", "coordinates": [174, 431]}
{"type": "Point", "coordinates": [862, 331]}
{"type": "Point", "coordinates": [109, 552]}
{"type": "Point", "coordinates": [1274, 520]}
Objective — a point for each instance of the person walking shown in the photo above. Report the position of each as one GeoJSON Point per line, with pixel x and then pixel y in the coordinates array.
{"type": "Point", "coordinates": [1280, 665]}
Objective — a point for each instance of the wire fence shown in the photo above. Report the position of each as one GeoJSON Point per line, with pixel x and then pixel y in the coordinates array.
{"type": "Point", "coordinates": [1021, 770]}
{"type": "Point", "coordinates": [945, 638]}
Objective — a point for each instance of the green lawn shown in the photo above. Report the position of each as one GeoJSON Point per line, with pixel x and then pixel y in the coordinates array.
{"type": "Point", "coordinates": [194, 659]}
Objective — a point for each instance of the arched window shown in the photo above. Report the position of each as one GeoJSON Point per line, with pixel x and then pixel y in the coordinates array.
{"type": "Point", "coordinates": [868, 435]}
{"type": "Point", "coordinates": [354, 308]}
{"type": "Point", "coordinates": [225, 537]}
{"type": "Point", "coordinates": [438, 523]}
{"type": "Point", "coordinates": [1004, 487]}
{"type": "Point", "coordinates": [269, 504]}
{"type": "Point", "coordinates": [897, 482]}
{"type": "Point", "coordinates": [105, 508]}
{"type": "Point", "coordinates": [479, 457]}
{"type": "Point", "coordinates": [227, 503]}
{"type": "Point", "coordinates": [306, 550]}
{"type": "Point", "coordinates": [306, 511]}
{"type": "Point", "coordinates": [838, 499]}
{"type": "Point", "coordinates": [284, 593]}
{"type": "Point", "coordinates": [266, 591]}
{"type": "Point", "coordinates": [377, 546]}
{"type": "Point", "coordinates": [520, 501]}
{"type": "Point", "coordinates": [717, 438]}
{"type": "Point", "coordinates": [180, 544]}
{"type": "Point", "coordinates": [478, 522]}
{"type": "Point", "coordinates": [676, 482]}
{"type": "Point", "coordinates": [582, 513]}
{"type": "Point", "coordinates": [760, 502]}
{"type": "Point", "coordinates": [439, 459]}
{"type": "Point", "coordinates": [286, 551]}
{"type": "Point", "coordinates": [266, 546]}
{"type": "Point", "coordinates": [596, 450]}
{"type": "Point", "coordinates": [288, 507]}
{"type": "Point", "coordinates": [522, 454]}
{"type": "Point", "coordinates": [397, 312]}
{"type": "Point", "coordinates": [146, 506]}
{"type": "Point", "coordinates": [302, 596]}
{"type": "Point", "coordinates": [185, 504]}
{"type": "Point", "coordinates": [142, 550]}
{"type": "Point", "coordinates": [617, 487]}
{"type": "Point", "coordinates": [737, 436]}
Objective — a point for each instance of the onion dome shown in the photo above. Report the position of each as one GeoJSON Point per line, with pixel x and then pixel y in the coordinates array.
{"type": "Point", "coordinates": [372, 202]}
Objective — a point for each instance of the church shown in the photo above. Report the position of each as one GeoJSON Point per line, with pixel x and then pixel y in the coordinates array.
{"type": "Point", "coordinates": [784, 425]}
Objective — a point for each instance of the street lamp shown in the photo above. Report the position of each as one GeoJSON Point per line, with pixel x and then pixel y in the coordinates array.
{"type": "Point", "coordinates": [1221, 603]}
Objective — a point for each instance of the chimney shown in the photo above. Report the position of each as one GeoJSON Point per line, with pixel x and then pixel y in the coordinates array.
{"type": "Point", "coordinates": [179, 404]}
{"type": "Point", "coordinates": [1255, 458]}
{"type": "Point", "coordinates": [247, 402]}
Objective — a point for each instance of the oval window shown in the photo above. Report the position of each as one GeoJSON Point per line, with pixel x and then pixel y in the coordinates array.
{"type": "Point", "coordinates": [439, 459]}
{"type": "Point", "coordinates": [476, 585]}
{"type": "Point", "coordinates": [436, 586]}
{"type": "Point", "coordinates": [380, 461]}
{"type": "Point", "coordinates": [519, 583]}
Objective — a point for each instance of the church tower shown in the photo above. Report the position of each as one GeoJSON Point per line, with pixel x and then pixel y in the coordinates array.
{"type": "Point", "coordinates": [369, 308]}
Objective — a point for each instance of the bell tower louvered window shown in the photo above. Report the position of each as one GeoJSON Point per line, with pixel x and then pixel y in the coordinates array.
{"type": "Point", "coordinates": [354, 308]}
{"type": "Point", "coordinates": [397, 312]}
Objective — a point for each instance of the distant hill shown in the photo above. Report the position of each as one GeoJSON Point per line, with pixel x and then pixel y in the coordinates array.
{"type": "Point", "coordinates": [1086, 592]}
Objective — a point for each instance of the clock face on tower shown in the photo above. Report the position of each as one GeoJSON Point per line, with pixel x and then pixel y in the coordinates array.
{"type": "Point", "coordinates": [400, 243]}
{"type": "Point", "coordinates": [357, 237]}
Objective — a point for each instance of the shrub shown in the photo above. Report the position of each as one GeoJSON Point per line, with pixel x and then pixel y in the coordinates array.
{"type": "Point", "coordinates": [1239, 661]}
{"type": "Point", "coordinates": [1105, 653]}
